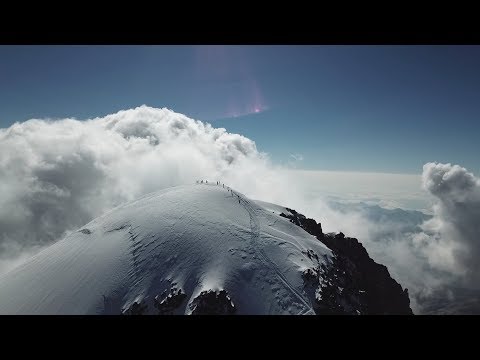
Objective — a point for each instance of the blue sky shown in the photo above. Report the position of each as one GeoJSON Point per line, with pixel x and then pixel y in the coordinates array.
{"type": "Point", "coordinates": [351, 108]}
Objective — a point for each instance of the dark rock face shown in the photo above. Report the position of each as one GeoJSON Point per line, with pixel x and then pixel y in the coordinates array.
{"type": "Point", "coordinates": [212, 303]}
{"type": "Point", "coordinates": [137, 308]}
{"type": "Point", "coordinates": [309, 225]}
{"type": "Point", "coordinates": [166, 304]}
{"type": "Point", "coordinates": [349, 283]}
{"type": "Point", "coordinates": [353, 283]}
{"type": "Point", "coordinates": [383, 294]}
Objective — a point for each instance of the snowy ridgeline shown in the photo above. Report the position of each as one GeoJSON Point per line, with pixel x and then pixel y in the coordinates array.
{"type": "Point", "coordinates": [193, 249]}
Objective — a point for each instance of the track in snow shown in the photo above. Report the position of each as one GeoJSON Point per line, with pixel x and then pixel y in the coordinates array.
{"type": "Point", "coordinates": [255, 232]}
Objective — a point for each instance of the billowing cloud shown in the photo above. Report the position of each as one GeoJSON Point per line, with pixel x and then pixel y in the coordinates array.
{"type": "Point", "coordinates": [451, 239]}
{"type": "Point", "coordinates": [58, 175]}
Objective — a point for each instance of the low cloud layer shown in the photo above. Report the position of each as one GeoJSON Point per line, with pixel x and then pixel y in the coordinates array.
{"type": "Point", "coordinates": [55, 176]}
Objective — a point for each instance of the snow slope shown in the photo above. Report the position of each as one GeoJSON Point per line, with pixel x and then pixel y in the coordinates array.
{"type": "Point", "coordinates": [193, 238]}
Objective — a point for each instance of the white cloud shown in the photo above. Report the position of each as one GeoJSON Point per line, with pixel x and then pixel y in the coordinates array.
{"type": "Point", "coordinates": [451, 239]}
{"type": "Point", "coordinates": [297, 157]}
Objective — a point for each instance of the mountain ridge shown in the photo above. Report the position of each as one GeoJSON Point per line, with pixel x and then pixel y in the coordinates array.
{"type": "Point", "coordinates": [192, 249]}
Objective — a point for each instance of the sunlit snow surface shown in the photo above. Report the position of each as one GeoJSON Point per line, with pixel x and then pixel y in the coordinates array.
{"type": "Point", "coordinates": [196, 237]}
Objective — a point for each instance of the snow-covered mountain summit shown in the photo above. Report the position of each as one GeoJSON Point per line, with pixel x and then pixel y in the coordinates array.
{"type": "Point", "coordinates": [183, 240]}
{"type": "Point", "coordinates": [196, 249]}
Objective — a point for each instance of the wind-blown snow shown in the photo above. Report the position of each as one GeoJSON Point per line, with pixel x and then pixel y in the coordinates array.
{"type": "Point", "coordinates": [192, 237]}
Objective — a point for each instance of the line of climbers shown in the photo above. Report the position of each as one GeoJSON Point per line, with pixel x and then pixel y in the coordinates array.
{"type": "Point", "coordinates": [228, 189]}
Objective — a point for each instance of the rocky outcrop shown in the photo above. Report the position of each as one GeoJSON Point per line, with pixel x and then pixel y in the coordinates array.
{"type": "Point", "coordinates": [137, 308]}
{"type": "Point", "coordinates": [309, 225]}
{"type": "Point", "coordinates": [166, 304]}
{"type": "Point", "coordinates": [352, 283]}
{"type": "Point", "coordinates": [212, 303]}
